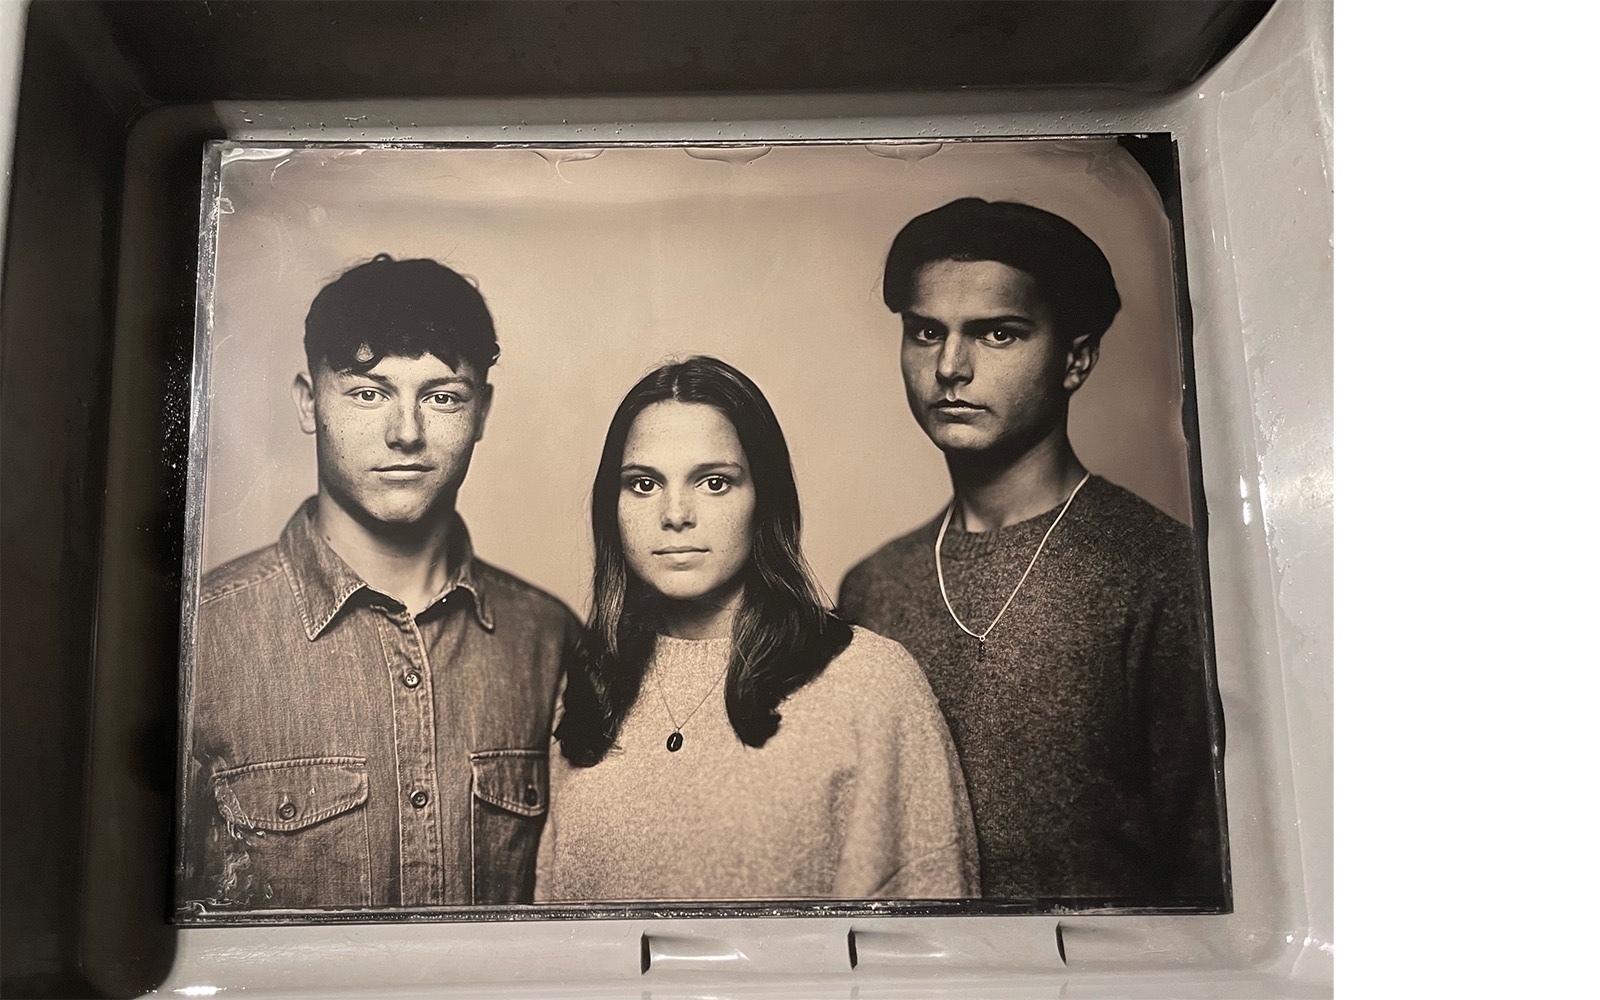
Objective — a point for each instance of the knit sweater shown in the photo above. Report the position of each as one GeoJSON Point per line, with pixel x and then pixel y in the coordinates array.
{"type": "Point", "coordinates": [857, 795]}
{"type": "Point", "coordinates": [1085, 731]}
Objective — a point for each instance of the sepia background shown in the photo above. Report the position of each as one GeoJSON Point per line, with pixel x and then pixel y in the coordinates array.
{"type": "Point", "coordinates": [598, 265]}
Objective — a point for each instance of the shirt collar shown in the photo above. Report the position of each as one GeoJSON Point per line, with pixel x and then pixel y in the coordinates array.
{"type": "Point", "coordinates": [323, 583]}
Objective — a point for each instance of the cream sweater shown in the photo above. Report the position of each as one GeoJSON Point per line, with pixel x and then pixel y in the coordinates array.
{"type": "Point", "coordinates": [857, 796]}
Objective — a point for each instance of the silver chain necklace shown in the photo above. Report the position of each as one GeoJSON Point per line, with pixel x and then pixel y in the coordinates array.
{"type": "Point", "coordinates": [938, 566]}
{"type": "Point", "coordinates": [675, 740]}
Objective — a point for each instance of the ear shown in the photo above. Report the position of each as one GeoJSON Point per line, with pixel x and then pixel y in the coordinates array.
{"type": "Point", "coordinates": [305, 403]}
{"type": "Point", "coordinates": [1081, 357]}
{"type": "Point", "coordinates": [483, 411]}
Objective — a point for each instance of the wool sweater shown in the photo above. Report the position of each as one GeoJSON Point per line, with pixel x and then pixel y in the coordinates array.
{"type": "Point", "coordinates": [857, 795]}
{"type": "Point", "coordinates": [1086, 728]}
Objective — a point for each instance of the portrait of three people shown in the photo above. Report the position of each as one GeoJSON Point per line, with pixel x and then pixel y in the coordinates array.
{"type": "Point", "coordinates": [503, 597]}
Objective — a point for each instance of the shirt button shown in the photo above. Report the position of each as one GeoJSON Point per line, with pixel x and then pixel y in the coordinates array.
{"type": "Point", "coordinates": [419, 798]}
{"type": "Point", "coordinates": [287, 811]}
{"type": "Point", "coordinates": [411, 678]}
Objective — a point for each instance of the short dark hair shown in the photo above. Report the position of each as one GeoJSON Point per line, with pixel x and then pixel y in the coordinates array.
{"type": "Point", "coordinates": [405, 308]}
{"type": "Point", "coordinates": [1067, 267]}
{"type": "Point", "coordinates": [784, 635]}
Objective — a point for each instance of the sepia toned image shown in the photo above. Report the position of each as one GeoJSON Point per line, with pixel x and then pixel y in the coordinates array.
{"type": "Point", "coordinates": [581, 530]}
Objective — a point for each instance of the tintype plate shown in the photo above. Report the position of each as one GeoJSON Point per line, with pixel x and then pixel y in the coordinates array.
{"type": "Point", "coordinates": [497, 600]}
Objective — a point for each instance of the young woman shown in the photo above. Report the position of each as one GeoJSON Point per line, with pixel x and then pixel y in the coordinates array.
{"type": "Point", "coordinates": [726, 736]}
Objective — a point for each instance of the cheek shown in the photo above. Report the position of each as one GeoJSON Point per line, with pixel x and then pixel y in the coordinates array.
{"type": "Point", "coordinates": [452, 434]}
{"type": "Point", "coordinates": [633, 523]}
{"type": "Point", "coordinates": [738, 524]}
{"type": "Point", "coordinates": [914, 363]}
{"type": "Point", "coordinates": [1024, 375]}
{"type": "Point", "coordinates": [1050, 365]}
{"type": "Point", "coordinates": [346, 428]}
{"type": "Point", "coordinates": [336, 438]}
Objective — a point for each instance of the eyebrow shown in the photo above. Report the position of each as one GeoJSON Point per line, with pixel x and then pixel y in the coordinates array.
{"type": "Point", "coordinates": [910, 316]}
{"type": "Point", "coordinates": [429, 385]}
{"type": "Point", "coordinates": [434, 383]}
{"type": "Point", "coordinates": [639, 468]}
{"type": "Point", "coordinates": [364, 376]}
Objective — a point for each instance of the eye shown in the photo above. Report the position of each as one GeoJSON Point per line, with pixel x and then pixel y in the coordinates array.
{"type": "Point", "coordinates": [366, 394]}
{"type": "Point", "coordinates": [442, 398]}
{"type": "Point", "coordinates": [1000, 335]}
{"type": "Point", "coordinates": [921, 332]}
{"type": "Point", "coordinates": [716, 485]}
{"type": "Point", "coordinates": [642, 486]}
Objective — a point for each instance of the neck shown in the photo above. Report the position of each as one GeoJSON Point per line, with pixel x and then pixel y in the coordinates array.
{"type": "Point", "coordinates": [407, 562]}
{"type": "Point", "coordinates": [708, 617]}
{"type": "Point", "coordinates": [992, 494]}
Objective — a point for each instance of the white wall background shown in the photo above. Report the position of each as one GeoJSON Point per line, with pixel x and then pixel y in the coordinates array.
{"type": "Point", "coordinates": [597, 269]}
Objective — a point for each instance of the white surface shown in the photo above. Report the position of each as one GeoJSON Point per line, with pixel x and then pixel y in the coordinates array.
{"type": "Point", "coordinates": [1467, 534]}
{"type": "Point", "coordinates": [1255, 145]}
{"type": "Point", "coordinates": [12, 15]}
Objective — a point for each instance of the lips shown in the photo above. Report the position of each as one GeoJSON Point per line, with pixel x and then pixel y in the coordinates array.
{"type": "Point", "coordinates": [957, 407]}
{"type": "Point", "coordinates": [678, 550]}
{"type": "Point", "coordinates": [403, 471]}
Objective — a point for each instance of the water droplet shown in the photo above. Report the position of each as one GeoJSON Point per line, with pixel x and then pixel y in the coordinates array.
{"type": "Point", "coordinates": [557, 157]}
{"type": "Point", "coordinates": [735, 155]}
{"type": "Point", "coordinates": [910, 152]}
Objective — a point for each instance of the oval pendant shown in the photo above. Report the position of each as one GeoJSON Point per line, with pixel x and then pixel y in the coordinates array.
{"type": "Point", "coordinates": [674, 742]}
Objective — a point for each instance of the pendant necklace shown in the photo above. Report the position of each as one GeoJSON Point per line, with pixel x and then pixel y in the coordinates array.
{"type": "Point", "coordinates": [938, 566]}
{"type": "Point", "coordinates": [675, 740]}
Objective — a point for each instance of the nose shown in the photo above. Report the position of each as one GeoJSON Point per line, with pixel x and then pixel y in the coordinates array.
{"type": "Point", "coordinates": [677, 513]}
{"type": "Point", "coordinates": [404, 432]}
{"type": "Point", "coordinates": [955, 361]}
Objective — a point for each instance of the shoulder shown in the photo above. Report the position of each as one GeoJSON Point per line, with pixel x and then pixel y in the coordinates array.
{"type": "Point", "coordinates": [241, 577]}
{"type": "Point", "coordinates": [893, 561]}
{"type": "Point", "coordinates": [518, 596]}
{"type": "Point", "coordinates": [1127, 524]}
{"type": "Point", "coordinates": [1125, 545]}
{"type": "Point", "coordinates": [874, 673]}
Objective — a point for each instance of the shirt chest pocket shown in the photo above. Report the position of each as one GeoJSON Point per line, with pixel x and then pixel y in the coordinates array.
{"type": "Point", "coordinates": [296, 832]}
{"type": "Point", "coordinates": [509, 799]}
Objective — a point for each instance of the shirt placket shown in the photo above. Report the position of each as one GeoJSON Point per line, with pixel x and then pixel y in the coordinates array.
{"type": "Point", "coordinates": [416, 766]}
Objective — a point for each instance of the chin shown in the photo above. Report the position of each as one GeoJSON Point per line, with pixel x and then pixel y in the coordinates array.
{"type": "Point", "coordinates": [680, 590]}
{"type": "Point", "coordinates": [958, 439]}
{"type": "Point", "coordinates": [397, 521]}
{"type": "Point", "coordinates": [687, 587]}
{"type": "Point", "coordinates": [398, 515]}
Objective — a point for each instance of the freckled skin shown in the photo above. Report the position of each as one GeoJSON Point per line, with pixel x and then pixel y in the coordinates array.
{"type": "Point", "coordinates": [686, 485]}
{"type": "Point", "coordinates": [979, 332]}
{"type": "Point", "coordinates": [394, 443]}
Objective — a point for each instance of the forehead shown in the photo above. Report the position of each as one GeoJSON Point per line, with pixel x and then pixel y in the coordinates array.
{"type": "Point", "coordinates": [972, 289]}
{"type": "Point", "coordinates": [671, 433]}
{"type": "Point", "coordinates": [402, 370]}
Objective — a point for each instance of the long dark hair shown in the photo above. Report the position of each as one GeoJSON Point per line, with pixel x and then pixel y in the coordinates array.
{"type": "Point", "coordinates": [783, 634]}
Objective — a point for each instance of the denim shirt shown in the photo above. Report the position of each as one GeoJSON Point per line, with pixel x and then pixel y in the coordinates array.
{"type": "Point", "coordinates": [342, 752]}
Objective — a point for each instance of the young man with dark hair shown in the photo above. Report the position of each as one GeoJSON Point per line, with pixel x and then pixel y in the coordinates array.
{"type": "Point", "coordinates": [369, 705]}
{"type": "Point", "coordinates": [1058, 616]}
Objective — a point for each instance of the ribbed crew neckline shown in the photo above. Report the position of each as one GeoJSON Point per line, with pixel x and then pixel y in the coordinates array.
{"type": "Point", "coordinates": [1023, 536]}
{"type": "Point", "coordinates": [682, 665]}
{"type": "Point", "coordinates": [690, 647]}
